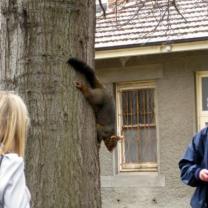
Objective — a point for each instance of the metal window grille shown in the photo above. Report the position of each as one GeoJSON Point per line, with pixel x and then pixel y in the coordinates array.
{"type": "Point", "coordinates": [138, 149]}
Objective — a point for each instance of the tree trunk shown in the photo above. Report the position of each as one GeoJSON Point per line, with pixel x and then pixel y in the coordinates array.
{"type": "Point", "coordinates": [37, 38]}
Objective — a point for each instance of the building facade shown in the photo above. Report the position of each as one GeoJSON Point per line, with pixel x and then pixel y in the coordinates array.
{"type": "Point", "coordinates": [161, 94]}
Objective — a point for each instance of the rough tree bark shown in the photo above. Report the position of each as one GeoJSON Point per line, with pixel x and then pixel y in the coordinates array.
{"type": "Point", "coordinates": [37, 38]}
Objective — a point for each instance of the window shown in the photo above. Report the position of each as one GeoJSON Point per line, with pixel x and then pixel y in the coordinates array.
{"type": "Point", "coordinates": [202, 99]}
{"type": "Point", "coordinates": [137, 123]}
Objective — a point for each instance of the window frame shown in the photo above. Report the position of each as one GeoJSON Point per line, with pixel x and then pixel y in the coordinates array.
{"type": "Point", "coordinates": [202, 116]}
{"type": "Point", "coordinates": [134, 167]}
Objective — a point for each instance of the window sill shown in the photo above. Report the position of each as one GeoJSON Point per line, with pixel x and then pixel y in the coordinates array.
{"type": "Point", "coordinates": [133, 180]}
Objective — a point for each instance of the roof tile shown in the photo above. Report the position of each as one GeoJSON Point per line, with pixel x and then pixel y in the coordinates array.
{"type": "Point", "coordinates": [133, 26]}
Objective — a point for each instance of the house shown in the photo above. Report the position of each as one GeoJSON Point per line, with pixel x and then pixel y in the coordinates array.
{"type": "Point", "coordinates": [154, 60]}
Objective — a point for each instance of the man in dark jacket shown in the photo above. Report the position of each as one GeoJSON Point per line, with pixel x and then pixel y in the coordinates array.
{"type": "Point", "coordinates": [194, 168]}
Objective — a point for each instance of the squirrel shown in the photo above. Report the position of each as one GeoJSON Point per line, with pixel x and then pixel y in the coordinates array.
{"type": "Point", "coordinates": [101, 102]}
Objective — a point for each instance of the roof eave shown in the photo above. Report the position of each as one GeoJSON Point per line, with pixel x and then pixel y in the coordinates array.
{"type": "Point", "coordinates": [154, 48]}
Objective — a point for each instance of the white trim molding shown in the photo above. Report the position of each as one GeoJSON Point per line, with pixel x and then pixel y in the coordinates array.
{"type": "Point", "coordinates": [154, 49]}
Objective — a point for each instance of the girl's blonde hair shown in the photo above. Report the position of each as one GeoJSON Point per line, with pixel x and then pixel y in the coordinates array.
{"type": "Point", "coordinates": [14, 122]}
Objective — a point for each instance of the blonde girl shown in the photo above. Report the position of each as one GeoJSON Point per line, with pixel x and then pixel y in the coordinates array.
{"type": "Point", "coordinates": [14, 122]}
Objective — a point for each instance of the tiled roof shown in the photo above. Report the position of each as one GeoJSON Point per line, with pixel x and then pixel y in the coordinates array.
{"type": "Point", "coordinates": [133, 26]}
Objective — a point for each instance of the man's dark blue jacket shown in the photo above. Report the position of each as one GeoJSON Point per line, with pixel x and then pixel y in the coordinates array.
{"type": "Point", "coordinates": [195, 159]}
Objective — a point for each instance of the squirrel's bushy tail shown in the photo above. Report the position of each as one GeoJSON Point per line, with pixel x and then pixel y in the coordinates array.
{"type": "Point", "coordinates": [86, 70]}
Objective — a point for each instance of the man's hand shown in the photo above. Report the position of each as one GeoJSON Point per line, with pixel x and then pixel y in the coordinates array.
{"type": "Point", "coordinates": [203, 175]}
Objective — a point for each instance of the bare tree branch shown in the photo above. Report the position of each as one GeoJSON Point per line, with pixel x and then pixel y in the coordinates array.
{"type": "Point", "coordinates": [102, 8]}
{"type": "Point", "coordinates": [139, 7]}
{"type": "Point", "coordinates": [177, 9]}
{"type": "Point", "coordinates": [165, 12]}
